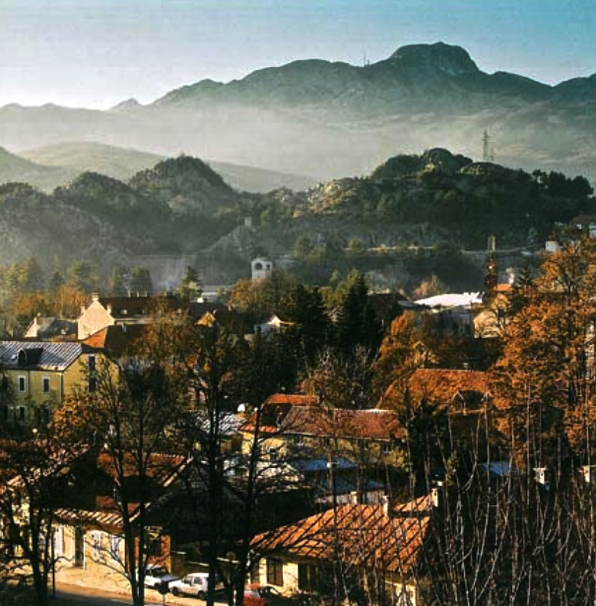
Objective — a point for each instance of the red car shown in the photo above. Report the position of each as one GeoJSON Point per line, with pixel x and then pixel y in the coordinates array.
{"type": "Point", "coordinates": [262, 595]}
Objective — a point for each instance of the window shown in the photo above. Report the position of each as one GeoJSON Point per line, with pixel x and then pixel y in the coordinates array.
{"type": "Point", "coordinates": [308, 577]}
{"type": "Point", "coordinates": [404, 595]}
{"type": "Point", "coordinates": [275, 572]}
{"type": "Point", "coordinates": [59, 546]}
{"type": "Point", "coordinates": [298, 441]}
{"type": "Point", "coordinates": [115, 542]}
{"type": "Point", "coordinates": [91, 363]}
{"type": "Point", "coordinates": [45, 384]}
{"type": "Point", "coordinates": [153, 545]}
{"type": "Point", "coordinates": [92, 384]}
{"type": "Point", "coordinates": [22, 384]}
{"type": "Point", "coordinates": [96, 545]}
{"type": "Point", "coordinates": [22, 414]}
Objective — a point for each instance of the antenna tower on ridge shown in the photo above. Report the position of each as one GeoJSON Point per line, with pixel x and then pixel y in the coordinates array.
{"type": "Point", "coordinates": [488, 154]}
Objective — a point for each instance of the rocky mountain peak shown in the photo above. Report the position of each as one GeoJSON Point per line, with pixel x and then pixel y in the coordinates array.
{"type": "Point", "coordinates": [127, 104]}
{"type": "Point", "coordinates": [449, 59]}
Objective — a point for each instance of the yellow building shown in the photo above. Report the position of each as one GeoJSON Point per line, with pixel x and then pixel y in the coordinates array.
{"type": "Point", "coordinates": [36, 376]}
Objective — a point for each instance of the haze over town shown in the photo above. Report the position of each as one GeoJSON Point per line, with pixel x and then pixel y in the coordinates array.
{"type": "Point", "coordinates": [297, 301]}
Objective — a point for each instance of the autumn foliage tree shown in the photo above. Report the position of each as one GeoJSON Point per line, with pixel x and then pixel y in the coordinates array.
{"type": "Point", "coordinates": [545, 376]}
{"type": "Point", "coordinates": [34, 476]}
{"type": "Point", "coordinates": [130, 414]}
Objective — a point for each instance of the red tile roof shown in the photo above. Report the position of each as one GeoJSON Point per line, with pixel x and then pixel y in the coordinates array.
{"type": "Point", "coordinates": [141, 305]}
{"type": "Point", "coordinates": [292, 399]}
{"type": "Point", "coordinates": [357, 424]}
{"type": "Point", "coordinates": [117, 340]}
{"type": "Point", "coordinates": [303, 414]}
{"type": "Point", "coordinates": [366, 536]}
{"type": "Point", "coordinates": [107, 513]}
{"type": "Point", "coordinates": [160, 467]}
{"type": "Point", "coordinates": [441, 385]}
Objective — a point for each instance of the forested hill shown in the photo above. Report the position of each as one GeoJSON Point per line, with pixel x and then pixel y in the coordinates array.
{"type": "Point", "coordinates": [182, 207]}
{"type": "Point", "coordinates": [456, 199]}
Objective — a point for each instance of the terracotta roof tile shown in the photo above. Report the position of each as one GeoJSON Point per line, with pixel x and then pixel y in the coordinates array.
{"type": "Point", "coordinates": [299, 414]}
{"type": "Point", "coordinates": [292, 399]}
{"type": "Point", "coordinates": [116, 340]}
{"type": "Point", "coordinates": [358, 424]}
{"type": "Point", "coordinates": [440, 385]}
{"type": "Point", "coordinates": [366, 536]}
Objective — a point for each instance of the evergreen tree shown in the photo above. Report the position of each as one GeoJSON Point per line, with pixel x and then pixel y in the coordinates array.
{"type": "Point", "coordinates": [140, 280]}
{"type": "Point", "coordinates": [357, 323]}
{"type": "Point", "coordinates": [31, 277]}
{"type": "Point", "coordinates": [118, 282]}
{"type": "Point", "coordinates": [191, 287]}
{"type": "Point", "coordinates": [522, 289]}
{"type": "Point", "coordinates": [83, 275]}
{"type": "Point", "coordinates": [56, 281]}
{"type": "Point", "coordinates": [306, 308]}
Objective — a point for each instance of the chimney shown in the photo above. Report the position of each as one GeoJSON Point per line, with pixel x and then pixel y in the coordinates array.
{"type": "Point", "coordinates": [437, 493]}
{"type": "Point", "coordinates": [588, 471]}
{"type": "Point", "coordinates": [387, 506]}
{"type": "Point", "coordinates": [542, 476]}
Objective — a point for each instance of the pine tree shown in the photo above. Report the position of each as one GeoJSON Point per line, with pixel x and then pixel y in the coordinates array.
{"type": "Point", "coordinates": [31, 276]}
{"type": "Point", "coordinates": [305, 307]}
{"type": "Point", "coordinates": [140, 280]}
{"type": "Point", "coordinates": [83, 275]}
{"type": "Point", "coordinates": [191, 287]}
{"type": "Point", "coordinates": [56, 281]}
{"type": "Point", "coordinates": [357, 323]}
{"type": "Point", "coordinates": [118, 282]}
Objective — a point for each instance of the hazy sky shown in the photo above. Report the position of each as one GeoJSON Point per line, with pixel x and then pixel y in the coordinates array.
{"type": "Point", "coordinates": [96, 53]}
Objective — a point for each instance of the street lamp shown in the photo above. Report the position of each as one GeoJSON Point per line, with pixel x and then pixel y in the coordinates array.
{"type": "Point", "coordinates": [53, 552]}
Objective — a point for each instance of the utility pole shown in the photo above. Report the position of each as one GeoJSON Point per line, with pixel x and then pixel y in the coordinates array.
{"type": "Point", "coordinates": [331, 465]}
{"type": "Point", "coordinates": [485, 147]}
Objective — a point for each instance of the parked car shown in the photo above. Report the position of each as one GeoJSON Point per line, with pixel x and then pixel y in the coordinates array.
{"type": "Point", "coordinates": [157, 575]}
{"type": "Point", "coordinates": [193, 584]}
{"type": "Point", "coordinates": [263, 595]}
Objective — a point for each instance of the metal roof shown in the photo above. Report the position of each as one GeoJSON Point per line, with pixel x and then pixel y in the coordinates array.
{"type": "Point", "coordinates": [54, 355]}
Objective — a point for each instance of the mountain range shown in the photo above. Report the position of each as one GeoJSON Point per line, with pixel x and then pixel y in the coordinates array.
{"type": "Point", "coordinates": [412, 216]}
{"type": "Point", "coordinates": [327, 119]}
{"type": "Point", "coordinates": [53, 165]}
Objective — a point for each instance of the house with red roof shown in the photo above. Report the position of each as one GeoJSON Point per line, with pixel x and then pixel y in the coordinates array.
{"type": "Point", "coordinates": [90, 527]}
{"type": "Point", "coordinates": [301, 426]}
{"type": "Point", "coordinates": [125, 311]}
{"type": "Point", "coordinates": [463, 397]}
{"type": "Point", "coordinates": [355, 543]}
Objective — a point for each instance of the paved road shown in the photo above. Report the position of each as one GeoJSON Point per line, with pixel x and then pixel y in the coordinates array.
{"type": "Point", "coordinates": [78, 595]}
